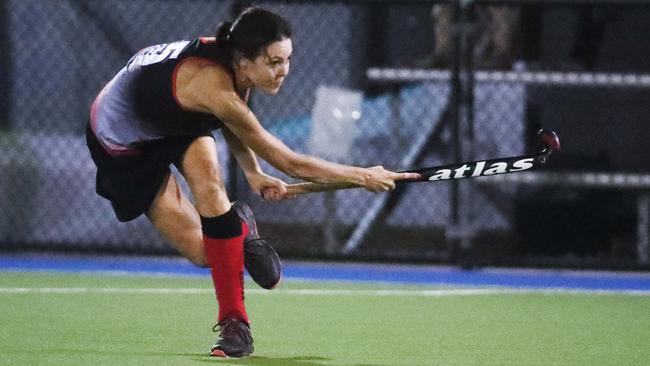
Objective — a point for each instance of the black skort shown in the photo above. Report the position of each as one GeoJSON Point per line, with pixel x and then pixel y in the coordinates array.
{"type": "Point", "coordinates": [131, 182]}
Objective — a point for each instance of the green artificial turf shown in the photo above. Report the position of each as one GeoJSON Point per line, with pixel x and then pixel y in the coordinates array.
{"type": "Point", "coordinates": [172, 328]}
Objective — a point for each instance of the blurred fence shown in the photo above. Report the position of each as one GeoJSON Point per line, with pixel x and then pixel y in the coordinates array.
{"type": "Point", "coordinates": [396, 83]}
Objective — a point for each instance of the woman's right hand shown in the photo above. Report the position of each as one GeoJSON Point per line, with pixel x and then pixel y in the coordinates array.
{"type": "Point", "coordinates": [378, 179]}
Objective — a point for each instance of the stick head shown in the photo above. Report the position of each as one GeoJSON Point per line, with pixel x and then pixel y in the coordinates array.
{"type": "Point", "coordinates": [549, 139]}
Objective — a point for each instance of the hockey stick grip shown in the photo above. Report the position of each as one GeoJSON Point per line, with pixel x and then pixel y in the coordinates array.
{"type": "Point", "coordinates": [308, 187]}
{"type": "Point", "coordinates": [302, 188]}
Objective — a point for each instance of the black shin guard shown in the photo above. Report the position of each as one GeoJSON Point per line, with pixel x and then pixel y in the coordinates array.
{"type": "Point", "coordinates": [223, 226]}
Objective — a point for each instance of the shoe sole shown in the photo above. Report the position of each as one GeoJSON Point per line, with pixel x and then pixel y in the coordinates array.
{"type": "Point", "coordinates": [220, 354]}
{"type": "Point", "coordinates": [276, 259]}
{"type": "Point", "coordinates": [246, 214]}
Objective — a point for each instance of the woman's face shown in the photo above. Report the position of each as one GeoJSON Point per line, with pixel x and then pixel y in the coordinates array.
{"type": "Point", "coordinates": [267, 71]}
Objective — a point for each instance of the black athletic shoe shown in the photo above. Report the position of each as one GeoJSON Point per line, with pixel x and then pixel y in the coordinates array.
{"type": "Point", "coordinates": [260, 259]}
{"type": "Point", "coordinates": [235, 339]}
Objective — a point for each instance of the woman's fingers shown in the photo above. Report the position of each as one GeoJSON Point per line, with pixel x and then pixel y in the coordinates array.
{"type": "Point", "coordinates": [275, 194]}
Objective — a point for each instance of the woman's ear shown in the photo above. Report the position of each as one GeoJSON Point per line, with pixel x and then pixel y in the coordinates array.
{"type": "Point", "coordinates": [241, 61]}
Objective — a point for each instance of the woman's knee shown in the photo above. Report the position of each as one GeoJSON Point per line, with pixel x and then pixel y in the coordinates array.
{"type": "Point", "coordinates": [203, 174]}
{"type": "Point", "coordinates": [207, 188]}
{"type": "Point", "coordinates": [205, 177]}
{"type": "Point", "coordinates": [200, 163]}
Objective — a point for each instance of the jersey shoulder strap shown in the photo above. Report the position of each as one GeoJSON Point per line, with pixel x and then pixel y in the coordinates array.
{"type": "Point", "coordinates": [158, 53]}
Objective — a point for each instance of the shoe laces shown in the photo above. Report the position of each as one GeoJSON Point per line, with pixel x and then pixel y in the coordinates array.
{"type": "Point", "coordinates": [231, 328]}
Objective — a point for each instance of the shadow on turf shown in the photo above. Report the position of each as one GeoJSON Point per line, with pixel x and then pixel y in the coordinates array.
{"type": "Point", "coordinates": [253, 360]}
{"type": "Point", "coordinates": [280, 361]}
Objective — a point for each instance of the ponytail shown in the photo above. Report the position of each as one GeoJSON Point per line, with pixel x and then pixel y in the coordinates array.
{"type": "Point", "coordinates": [224, 46]}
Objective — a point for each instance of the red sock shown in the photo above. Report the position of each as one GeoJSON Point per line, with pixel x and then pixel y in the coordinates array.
{"type": "Point", "coordinates": [223, 241]}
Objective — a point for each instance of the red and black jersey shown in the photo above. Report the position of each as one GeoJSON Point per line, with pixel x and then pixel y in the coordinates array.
{"type": "Point", "coordinates": [139, 104]}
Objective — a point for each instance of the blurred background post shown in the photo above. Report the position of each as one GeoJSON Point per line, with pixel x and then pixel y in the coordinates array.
{"type": "Point", "coordinates": [405, 84]}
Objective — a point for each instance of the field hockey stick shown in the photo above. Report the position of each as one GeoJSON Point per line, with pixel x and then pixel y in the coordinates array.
{"type": "Point", "coordinates": [472, 169]}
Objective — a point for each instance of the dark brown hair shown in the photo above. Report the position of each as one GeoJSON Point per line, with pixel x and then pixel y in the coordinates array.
{"type": "Point", "coordinates": [250, 33]}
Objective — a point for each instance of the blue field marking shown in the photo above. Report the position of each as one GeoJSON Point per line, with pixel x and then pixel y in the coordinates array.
{"type": "Point", "coordinates": [487, 277]}
{"type": "Point", "coordinates": [60, 263]}
{"type": "Point", "coordinates": [425, 275]}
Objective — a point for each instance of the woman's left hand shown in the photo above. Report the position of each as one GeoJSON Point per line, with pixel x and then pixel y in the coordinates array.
{"type": "Point", "coordinates": [270, 188]}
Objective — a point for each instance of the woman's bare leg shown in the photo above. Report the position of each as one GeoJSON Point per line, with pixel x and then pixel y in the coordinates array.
{"type": "Point", "coordinates": [178, 220]}
{"type": "Point", "coordinates": [175, 216]}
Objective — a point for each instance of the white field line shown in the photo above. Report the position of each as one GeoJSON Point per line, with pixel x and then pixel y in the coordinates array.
{"type": "Point", "coordinates": [319, 292]}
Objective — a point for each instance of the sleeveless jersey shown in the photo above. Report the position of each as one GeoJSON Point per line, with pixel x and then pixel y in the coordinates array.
{"type": "Point", "coordinates": [139, 104]}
